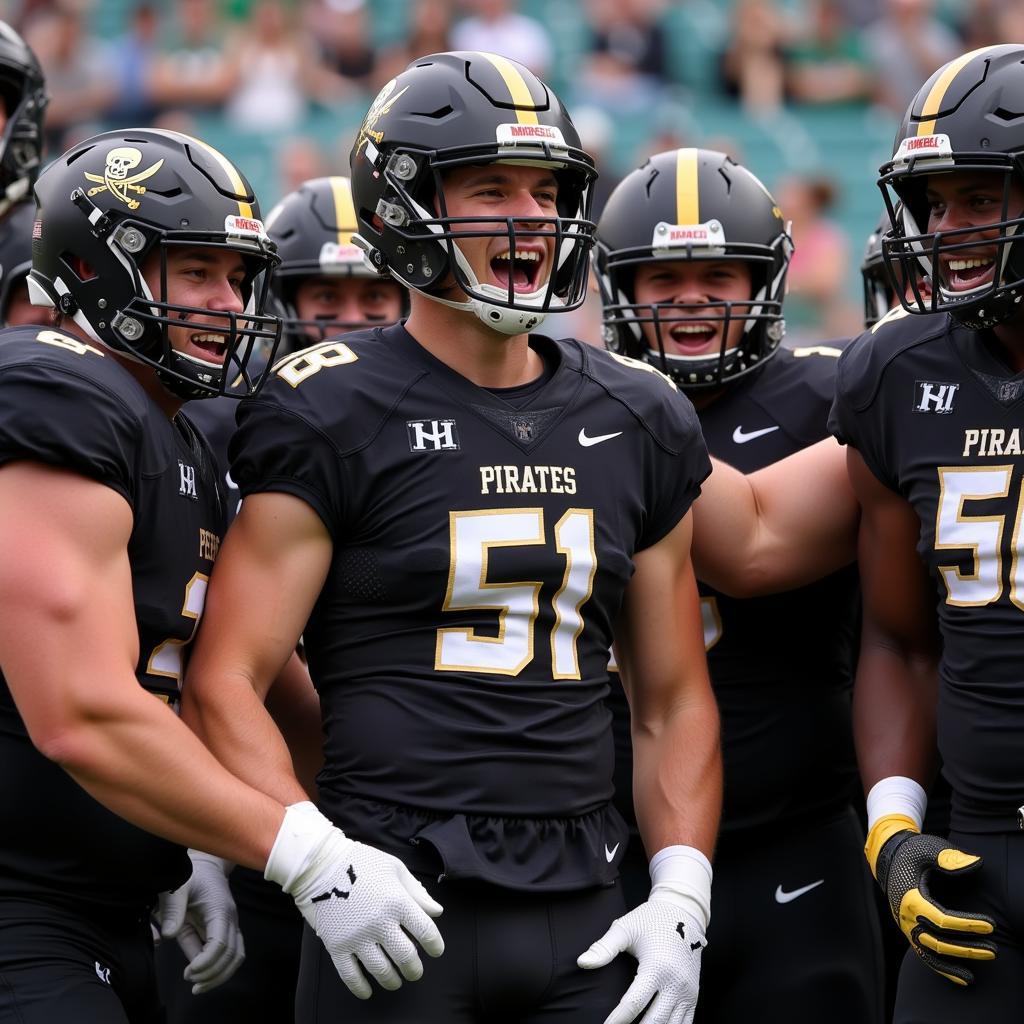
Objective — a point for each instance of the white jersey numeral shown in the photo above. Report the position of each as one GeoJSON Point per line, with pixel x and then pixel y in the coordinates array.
{"type": "Point", "coordinates": [167, 658]}
{"type": "Point", "coordinates": [981, 535]}
{"type": "Point", "coordinates": [472, 536]}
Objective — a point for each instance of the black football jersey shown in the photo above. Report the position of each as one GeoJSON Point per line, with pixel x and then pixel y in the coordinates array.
{"type": "Point", "coordinates": [938, 419]}
{"type": "Point", "coordinates": [481, 550]}
{"type": "Point", "coordinates": [67, 403]}
{"type": "Point", "coordinates": [215, 418]}
{"type": "Point", "coordinates": [782, 665]}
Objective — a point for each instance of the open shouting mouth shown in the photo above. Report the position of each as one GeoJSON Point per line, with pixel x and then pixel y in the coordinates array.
{"type": "Point", "coordinates": [211, 346]}
{"type": "Point", "coordinates": [690, 337]}
{"type": "Point", "coordinates": [966, 272]}
{"type": "Point", "coordinates": [523, 271]}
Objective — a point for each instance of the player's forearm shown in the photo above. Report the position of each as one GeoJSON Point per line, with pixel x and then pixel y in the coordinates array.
{"type": "Point", "coordinates": [294, 705]}
{"type": "Point", "coordinates": [227, 714]}
{"type": "Point", "coordinates": [134, 756]}
{"type": "Point", "coordinates": [677, 777]}
{"type": "Point", "coordinates": [894, 714]}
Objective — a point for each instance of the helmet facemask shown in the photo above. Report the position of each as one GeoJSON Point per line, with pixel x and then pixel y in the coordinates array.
{"type": "Point", "coordinates": [21, 141]}
{"type": "Point", "coordinates": [763, 326]}
{"type": "Point", "coordinates": [425, 253]}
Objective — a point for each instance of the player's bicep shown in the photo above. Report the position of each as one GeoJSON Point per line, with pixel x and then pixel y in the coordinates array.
{"type": "Point", "coordinates": [659, 639]}
{"type": "Point", "coordinates": [68, 637]}
{"type": "Point", "coordinates": [898, 607]}
{"type": "Point", "coordinates": [808, 516]}
{"type": "Point", "coordinates": [270, 569]}
{"type": "Point", "coordinates": [784, 526]}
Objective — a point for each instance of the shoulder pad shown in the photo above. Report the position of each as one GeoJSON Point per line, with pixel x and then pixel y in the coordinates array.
{"type": "Point", "coordinates": [865, 360]}
{"type": "Point", "coordinates": [797, 387]}
{"type": "Point", "coordinates": [651, 396]}
{"type": "Point", "coordinates": [66, 402]}
{"type": "Point", "coordinates": [344, 387]}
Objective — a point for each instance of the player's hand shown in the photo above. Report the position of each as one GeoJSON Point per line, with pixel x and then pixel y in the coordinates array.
{"type": "Point", "coordinates": [201, 915]}
{"type": "Point", "coordinates": [902, 861]}
{"type": "Point", "coordinates": [666, 940]}
{"type": "Point", "coordinates": [361, 901]}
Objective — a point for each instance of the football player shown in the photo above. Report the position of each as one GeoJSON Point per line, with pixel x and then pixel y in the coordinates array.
{"type": "Point", "coordinates": [321, 288]}
{"type": "Point", "coordinates": [929, 408]}
{"type": "Point", "coordinates": [22, 102]}
{"type": "Point", "coordinates": [691, 254]}
{"type": "Point", "coordinates": [459, 515]}
{"type": "Point", "coordinates": [149, 248]}
{"type": "Point", "coordinates": [16, 308]}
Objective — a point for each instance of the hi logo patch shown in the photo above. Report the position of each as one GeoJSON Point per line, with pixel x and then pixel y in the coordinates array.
{"type": "Point", "coordinates": [930, 396]}
{"type": "Point", "coordinates": [187, 481]}
{"type": "Point", "coordinates": [432, 435]}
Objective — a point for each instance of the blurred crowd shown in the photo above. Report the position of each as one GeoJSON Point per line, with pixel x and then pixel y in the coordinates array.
{"type": "Point", "coordinates": [632, 71]}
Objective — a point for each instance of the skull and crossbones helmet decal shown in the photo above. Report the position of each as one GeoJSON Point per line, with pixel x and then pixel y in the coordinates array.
{"type": "Point", "coordinates": [116, 198]}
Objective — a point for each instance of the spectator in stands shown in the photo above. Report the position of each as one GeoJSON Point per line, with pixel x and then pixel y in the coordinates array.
{"type": "Point", "coordinates": [278, 71]}
{"type": "Point", "coordinates": [984, 23]}
{"type": "Point", "coordinates": [627, 62]}
{"type": "Point", "coordinates": [130, 61]}
{"type": "Point", "coordinates": [429, 31]}
{"type": "Point", "coordinates": [905, 46]}
{"type": "Point", "coordinates": [1011, 23]}
{"type": "Point", "coordinates": [817, 305]}
{"type": "Point", "coordinates": [826, 62]}
{"type": "Point", "coordinates": [300, 159]}
{"type": "Point", "coordinates": [752, 68]}
{"type": "Point", "coordinates": [342, 34]}
{"type": "Point", "coordinates": [495, 26]}
{"type": "Point", "coordinates": [78, 79]}
{"type": "Point", "coordinates": [193, 72]}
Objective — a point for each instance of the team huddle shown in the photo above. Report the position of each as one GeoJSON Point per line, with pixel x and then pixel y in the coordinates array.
{"type": "Point", "coordinates": [474, 647]}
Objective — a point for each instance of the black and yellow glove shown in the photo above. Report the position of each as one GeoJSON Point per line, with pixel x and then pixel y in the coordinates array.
{"type": "Point", "coordinates": [901, 860]}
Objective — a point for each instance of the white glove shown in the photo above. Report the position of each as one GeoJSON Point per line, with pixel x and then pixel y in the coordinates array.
{"type": "Point", "coordinates": [359, 900]}
{"type": "Point", "coordinates": [201, 915]}
{"type": "Point", "coordinates": [666, 935]}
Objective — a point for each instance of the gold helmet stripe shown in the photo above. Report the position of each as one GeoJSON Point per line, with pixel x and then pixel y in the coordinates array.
{"type": "Point", "coordinates": [687, 199]}
{"type": "Point", "coordinates": [244, 209]}
{"type": "Point", "coordinates": [344, 209]}
{"type": "Point", "coordinates": [937, 93]}
{"type": "Point", "coordinates": [517, 87]}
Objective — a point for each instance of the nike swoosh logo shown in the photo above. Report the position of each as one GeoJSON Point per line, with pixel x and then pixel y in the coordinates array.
{"type": "Point", "coordinates": [788, 897]}
{"type": "Point", "coordinates": [609, 855]}
{"type": "Point", "coordinates": [739, 437]}
{"type": "Point", "coordinates": [588, 441]}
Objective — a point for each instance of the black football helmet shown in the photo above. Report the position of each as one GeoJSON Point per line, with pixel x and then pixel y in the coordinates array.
{"type": "Point", "coordinates": [24, 98]}
{"type": "Point", "coordinates": [879, 296]}
{"type": "Point", "coordinates": [15, 254]}
{"type": "Point", "coordinates": [451, 110]}
{"type": "Point", "coordinates": [966, 117]}
{"type": "Point", "coordinates": [693, 204]}
{"type": "Point", "coordinates": [313, 228]}
{"type": "Point", "coordinates": [116, 198]}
